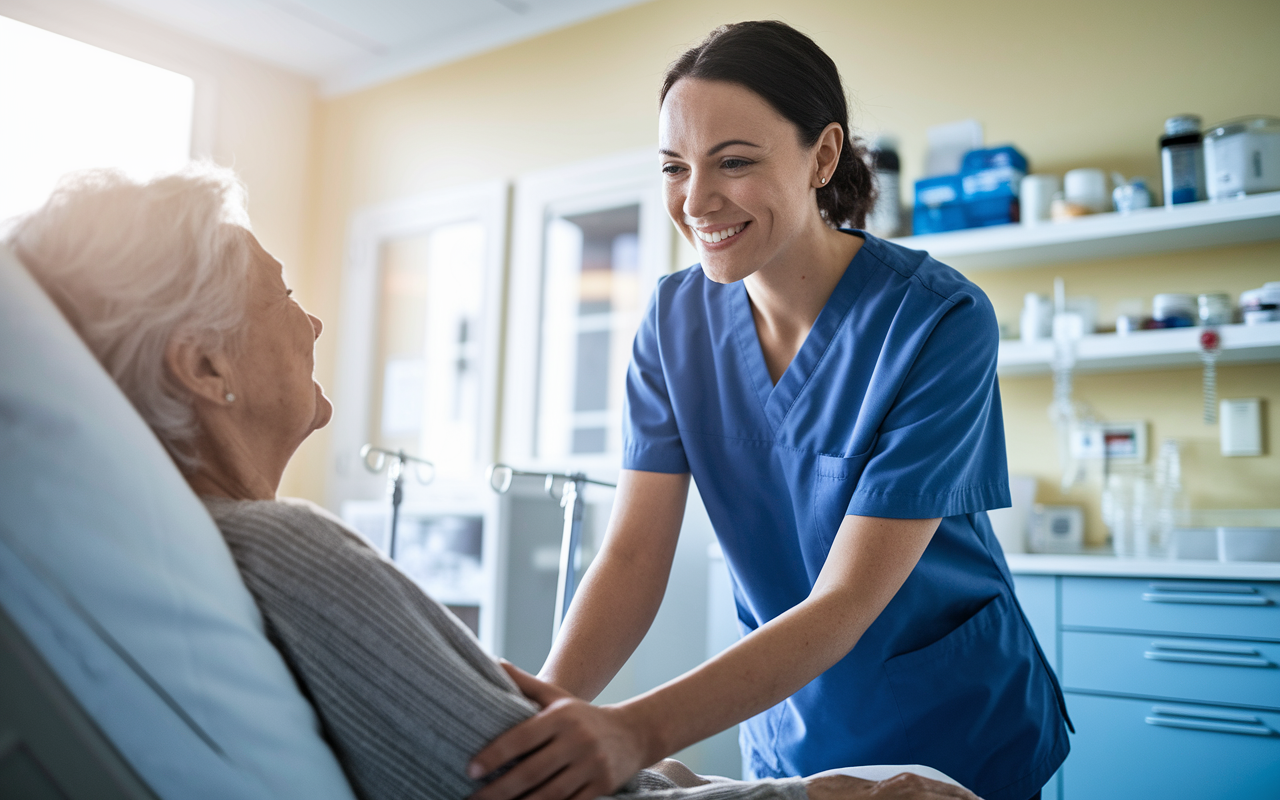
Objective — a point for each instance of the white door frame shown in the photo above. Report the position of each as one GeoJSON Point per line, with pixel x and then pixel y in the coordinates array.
{"type": "Point", "coordinates": [369, 229]}
{"type": "Point", "coordinates": [621, 179]}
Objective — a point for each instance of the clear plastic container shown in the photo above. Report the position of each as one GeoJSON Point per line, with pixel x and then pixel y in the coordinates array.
{"type": "Point", "coordinates": [1215, 309]}
{"type": "Point", "coordinates": [1130, 512]}
{"type": "Point", "coordinates": [1242, 157]}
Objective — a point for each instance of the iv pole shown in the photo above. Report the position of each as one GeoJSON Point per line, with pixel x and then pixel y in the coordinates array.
{"type": "Point", "coordinates": [395, 480]}
{"type": "Point", "coordinates": [571, 501]}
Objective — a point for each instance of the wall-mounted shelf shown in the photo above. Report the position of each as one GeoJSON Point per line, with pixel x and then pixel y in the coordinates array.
{"type": "Point", "coordinates": [1160, 349]}
{"type": "Point", "coordinates": [1151, 230]}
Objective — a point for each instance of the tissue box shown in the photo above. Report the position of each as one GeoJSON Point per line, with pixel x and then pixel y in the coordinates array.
{"type": "Point", "coordinates": [939, 205]}
{"type": "Point", "coordinates": [989, 181]}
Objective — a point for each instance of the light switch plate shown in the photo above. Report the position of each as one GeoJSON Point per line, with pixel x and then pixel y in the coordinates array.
{"type": "Point", "coordinates": [1240, 427]}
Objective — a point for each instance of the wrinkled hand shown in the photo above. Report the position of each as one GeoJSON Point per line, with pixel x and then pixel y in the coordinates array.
{"type": "Point", "coordinates": [572, 750]}
{"type": "Point", "coordinates": [904, 786]}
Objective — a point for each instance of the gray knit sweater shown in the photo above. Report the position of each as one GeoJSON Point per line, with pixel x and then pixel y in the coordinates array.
{"type": "Point", "coordinates": [404, 693]}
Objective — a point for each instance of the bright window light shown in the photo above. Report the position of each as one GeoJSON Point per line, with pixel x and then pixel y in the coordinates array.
{"type": "Point", "coordinates": [66, 105]}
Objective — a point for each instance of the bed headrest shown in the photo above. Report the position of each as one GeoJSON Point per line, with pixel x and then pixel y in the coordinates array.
{"type": "Point", "coordinates": [127, 579]}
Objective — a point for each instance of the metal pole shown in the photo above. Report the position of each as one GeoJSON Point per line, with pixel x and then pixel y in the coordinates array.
{"type": "Point", "coordinates": [396, 474]}
{"type": "Point", "coordinates": [375, 458]}
{"type": "Point", "coordinates": [571, 501]}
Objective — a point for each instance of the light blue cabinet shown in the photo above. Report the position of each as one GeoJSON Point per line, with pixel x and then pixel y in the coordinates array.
{"type": "Point", "coordinates": [1173, 685]}
{"type": "Point", "coordinates": [1132, 748]}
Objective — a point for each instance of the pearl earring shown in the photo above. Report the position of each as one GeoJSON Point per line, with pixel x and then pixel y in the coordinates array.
{"type": "Point", "coordinates": [824, 180]}
{"type": "Point", "coordinates": [231, 398]}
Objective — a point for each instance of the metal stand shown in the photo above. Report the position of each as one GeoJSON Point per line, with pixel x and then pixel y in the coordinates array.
{"type": "Point", "coordinates": [395, 481]}
{"type": "Point", "coordinates": [571, 501]}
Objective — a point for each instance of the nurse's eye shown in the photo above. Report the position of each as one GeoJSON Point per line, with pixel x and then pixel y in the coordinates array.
{"type": "Point", "coordinates": [734, 163]}
{"type": "Point", "coordinates": [672, 169]}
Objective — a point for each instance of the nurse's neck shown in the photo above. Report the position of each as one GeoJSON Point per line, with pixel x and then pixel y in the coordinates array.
{"type": "Point", "coordinates": [789, 293]}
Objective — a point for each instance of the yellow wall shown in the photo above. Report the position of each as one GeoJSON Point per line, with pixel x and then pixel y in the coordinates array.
{"type": "Point", "coordinates": [1072, 84]}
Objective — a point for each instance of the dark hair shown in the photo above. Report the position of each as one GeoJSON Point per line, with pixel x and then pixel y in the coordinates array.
{"type": "Point", "coordinates": [801, 82]}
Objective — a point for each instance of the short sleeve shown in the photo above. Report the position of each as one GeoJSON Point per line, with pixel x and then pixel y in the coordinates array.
{"type": "Point", "coordinates": [650, 437]}
{"type": "Point", "coordinates": [940, 449]}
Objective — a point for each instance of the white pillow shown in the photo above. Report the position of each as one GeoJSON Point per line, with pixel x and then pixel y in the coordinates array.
{"type": "Point", "coordinates": [105, 542]}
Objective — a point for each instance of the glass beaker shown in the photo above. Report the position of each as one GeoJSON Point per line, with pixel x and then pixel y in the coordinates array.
{"type": "Point", "coordinates": [1129, 512]}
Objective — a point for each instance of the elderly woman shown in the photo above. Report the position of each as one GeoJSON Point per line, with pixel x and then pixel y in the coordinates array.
{"type": "Point", "coordinates": [194, 321]}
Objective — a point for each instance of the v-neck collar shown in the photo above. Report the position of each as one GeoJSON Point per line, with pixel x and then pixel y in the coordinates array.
{"type": "Point", "coordinates": [777, 399]}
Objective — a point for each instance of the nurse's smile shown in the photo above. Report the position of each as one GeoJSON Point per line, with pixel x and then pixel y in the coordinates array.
{"type": "Point", "coordinates": [721, 235]}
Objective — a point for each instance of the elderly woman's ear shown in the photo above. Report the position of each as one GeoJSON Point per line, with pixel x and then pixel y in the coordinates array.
{"type": "Point", "coordinates": [204, 373]}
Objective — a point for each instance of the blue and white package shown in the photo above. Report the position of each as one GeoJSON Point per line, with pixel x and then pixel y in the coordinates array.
{"type": "Point", "coordinates": [939, 205]}
{"type": "Point", "coordinates": [989, 181]}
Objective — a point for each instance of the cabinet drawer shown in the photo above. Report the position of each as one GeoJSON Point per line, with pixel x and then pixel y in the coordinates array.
{"type": "Point", "coordinates": [1126, 749]}
{"type": "Point", "coordinates": [1234, 609]}
{"type": "Point", "coordinates": [1205, 670]}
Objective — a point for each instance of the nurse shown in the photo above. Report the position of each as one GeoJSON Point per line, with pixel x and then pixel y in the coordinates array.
{"type": "Point", "coordinates": [834, 396]}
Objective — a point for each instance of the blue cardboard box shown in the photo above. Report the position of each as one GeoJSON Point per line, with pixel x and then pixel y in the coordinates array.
{"type": "Point", "coordinates": [939, 205]}
{"type": "Point", "coordinates": [989, 182]}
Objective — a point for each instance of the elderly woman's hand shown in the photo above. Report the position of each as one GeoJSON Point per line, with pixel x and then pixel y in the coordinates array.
{"type": "Point", "coordinates": [571, 750]}
{"type": "Point", "coordinates": [905, 786]}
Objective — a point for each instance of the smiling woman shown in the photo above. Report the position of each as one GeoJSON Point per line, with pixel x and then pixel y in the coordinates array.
{"type": "Point", "coordinates": [834, 397]}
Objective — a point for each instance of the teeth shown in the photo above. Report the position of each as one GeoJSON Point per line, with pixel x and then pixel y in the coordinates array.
{"type": "Point", "coordinates": [720, 236]}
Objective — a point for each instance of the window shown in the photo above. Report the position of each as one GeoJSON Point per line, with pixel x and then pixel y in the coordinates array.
{"type": "Point", "coordinates": [68, 106]}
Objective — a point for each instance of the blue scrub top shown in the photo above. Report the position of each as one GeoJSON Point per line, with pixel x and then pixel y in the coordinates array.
{"type": "Point", "coordinates": [889, 409]}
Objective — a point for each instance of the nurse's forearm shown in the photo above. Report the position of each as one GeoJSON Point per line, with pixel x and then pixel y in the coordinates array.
{"type": "Point", "coordinates": [869, 561]}
{"type": "Point", "coordinates": [621, 592]}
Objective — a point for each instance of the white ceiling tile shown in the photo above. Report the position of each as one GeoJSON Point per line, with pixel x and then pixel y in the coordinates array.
{"type": "Point", "coordinates": [351, 44]}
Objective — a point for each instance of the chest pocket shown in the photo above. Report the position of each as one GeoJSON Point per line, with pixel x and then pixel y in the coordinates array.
{"type": "Point", "coordinates": [834, 479]}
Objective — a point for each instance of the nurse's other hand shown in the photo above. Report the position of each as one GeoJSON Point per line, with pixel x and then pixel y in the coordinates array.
{"type": "Point", "coordinates": [904, 786]}
{"type": "Point", "coordinates": [571, 750]}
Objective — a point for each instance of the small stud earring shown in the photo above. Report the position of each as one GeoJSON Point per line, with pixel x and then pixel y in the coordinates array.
{"type": "Point", "coordinates": [231, 398]}
{"type": "Point", "coordinates": [824, 180]}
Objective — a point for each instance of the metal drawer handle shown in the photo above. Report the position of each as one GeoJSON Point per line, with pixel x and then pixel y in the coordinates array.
{"type": "Point", "coordinates": [1215, 588]}
{"type": "Point", "coordinates": [1206, 598]}
{"type": "Point", "coordinates": [1210, 726]}
{"type": "Point", "coordinates": [1205, 647]}
{"type": "Point", "coordinates": [1208, 658]}
{"type": "Point", "coordinates": [1216, 714]}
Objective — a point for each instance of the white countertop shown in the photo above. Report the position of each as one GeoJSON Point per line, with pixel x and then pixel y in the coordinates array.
{"type": "Point", "coordinates": [1046, 564]}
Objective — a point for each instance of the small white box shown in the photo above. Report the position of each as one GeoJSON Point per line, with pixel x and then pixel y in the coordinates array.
{"type": "Point", "coordinates": [1240, 426]}
{"type": "Point", "coordinates": [1056, 529]}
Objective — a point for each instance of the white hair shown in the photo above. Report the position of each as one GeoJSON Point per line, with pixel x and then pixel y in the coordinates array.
{"type": "Point", "coordinates": [135, 265]}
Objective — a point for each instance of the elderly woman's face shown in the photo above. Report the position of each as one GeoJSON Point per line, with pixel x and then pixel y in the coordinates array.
{"type": "Point", "coordinates": [275, 386]}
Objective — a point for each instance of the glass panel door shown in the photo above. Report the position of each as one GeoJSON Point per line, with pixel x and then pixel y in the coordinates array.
{"type": "Point", "coordinates": [591, 307]}
{"type": "Point", "coordinates": [427, 375]}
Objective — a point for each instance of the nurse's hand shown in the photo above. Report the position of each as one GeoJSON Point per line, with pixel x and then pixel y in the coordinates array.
{"type": "Point", "coordinates": [904, 786]}
{"type": "Point", "coordinates": [571, 749]}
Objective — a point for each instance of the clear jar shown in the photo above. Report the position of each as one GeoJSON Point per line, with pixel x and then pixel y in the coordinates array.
{"type": "Point", "coordinates": [1215, 309]}
{"type": "Point", "coordinates": [1130, 512]}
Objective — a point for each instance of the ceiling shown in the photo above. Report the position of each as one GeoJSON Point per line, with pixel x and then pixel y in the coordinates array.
{"type": "Point", "coordinates": [351, 44]}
